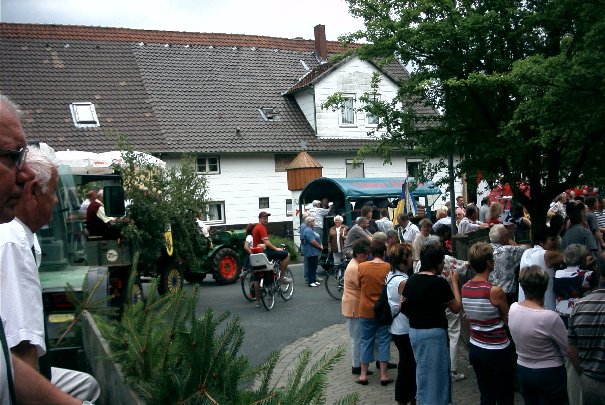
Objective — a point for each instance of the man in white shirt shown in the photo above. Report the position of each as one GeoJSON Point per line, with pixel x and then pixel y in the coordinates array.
{"type": "Point", "coordinates": [20, 290]}
{"type": "Point", "coordinates": [406, 230]}
{"type": "Point", "coordinates": [29, 386]}
{"type": "Point", "coordinates": [470, 222]}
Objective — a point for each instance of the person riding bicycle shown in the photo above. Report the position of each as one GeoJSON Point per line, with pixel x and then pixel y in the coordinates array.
{"type": "Point", "coordinates": [260, 237]}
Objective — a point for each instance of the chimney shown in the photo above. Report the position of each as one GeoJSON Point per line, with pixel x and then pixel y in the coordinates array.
{"type": "Point", "coordinates": [321, 47]}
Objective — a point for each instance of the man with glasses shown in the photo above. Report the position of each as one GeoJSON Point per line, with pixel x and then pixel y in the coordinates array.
{"type": "Point", "coordinates": [29, 387]}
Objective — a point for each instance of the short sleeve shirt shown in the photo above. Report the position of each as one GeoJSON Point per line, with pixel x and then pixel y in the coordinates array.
{"type": "Point", "coordinates": [426, 297]}
{"type": "Point", "coordinates": [258, 234]}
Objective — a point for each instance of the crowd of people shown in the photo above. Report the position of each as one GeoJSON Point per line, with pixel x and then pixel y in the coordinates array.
{"type": "Point", "coordinates": [536, 311]}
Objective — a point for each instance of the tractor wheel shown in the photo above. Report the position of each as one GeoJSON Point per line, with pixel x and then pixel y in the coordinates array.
{"type": "Point", "coordinates": [193, 277]}
{"type": "Point", "coordinates": [136, 295]}
{"type": "Point", "coordinates": [226, 268]}
{"type": "Point", "coordinates": [171, 278]}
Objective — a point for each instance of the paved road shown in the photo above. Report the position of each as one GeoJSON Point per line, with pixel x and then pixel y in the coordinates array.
{"type": "Point", "coordinates": [312, 319]}
{"type": "Point", "coordinates": [309, 311]}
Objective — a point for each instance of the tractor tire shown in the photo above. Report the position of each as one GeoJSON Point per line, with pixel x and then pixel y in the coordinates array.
{"type": "Point", "coordinates": [193, 277]}
{"type": "Point", "coordinates": [171, 278]}
{"type": "Point", "coordinates": [226, 267]}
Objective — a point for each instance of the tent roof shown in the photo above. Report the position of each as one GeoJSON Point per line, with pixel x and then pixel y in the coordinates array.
{"type": "Point", "coordinates": [351, 188]}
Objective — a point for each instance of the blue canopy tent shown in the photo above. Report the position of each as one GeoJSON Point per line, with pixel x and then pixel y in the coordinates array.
{"type": "Point", "coordinates": [348, 190]}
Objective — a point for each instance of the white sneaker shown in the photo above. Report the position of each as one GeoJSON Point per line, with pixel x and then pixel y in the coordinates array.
{"type": "Point", "coordinates": [456, 376]}
{"type": "Point", "coordinates": [314, 285]}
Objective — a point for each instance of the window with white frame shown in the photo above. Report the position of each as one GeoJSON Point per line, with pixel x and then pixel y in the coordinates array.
{"type": "Point", "coordinates": [414, 167]}
{"type": "Point", "coordinates": [214, 213]}
{"type": "Point", "coordinates": [354, 170]}
{"type": "Point", "coordinates": [347, 110]}
{"type": "Point", "coordinates": [289, 209]}
{"type": "Point", "coordinates": [208, 164]}
{"type": "Point", "coordinates": [84, 115]}
{"type": "Point", "coordinates": [372, 119]}
{"type": "Point", "coordinates": [263, 202]}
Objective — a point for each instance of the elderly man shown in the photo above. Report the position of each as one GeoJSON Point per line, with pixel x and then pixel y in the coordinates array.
{"type": "Point", "coordinates": [357, 231]}
{"type": "Point", "coordinates": [470, 222]}
{"type": "Point", "coordinates": [318, 213]}
{"type": "Point", "coordinates": [406, 230]}
{"type": "Point", "coordinates": [507, 257]}
{"type": "Point", "coordinates": [25, 385]}
{"type": "Point", "coordinates": [586, 336]}
{"type": "Point", "coordinates": [20, 290]}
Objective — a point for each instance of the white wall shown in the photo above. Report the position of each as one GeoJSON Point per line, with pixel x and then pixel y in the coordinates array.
{"type": "Point", "coordinates": [245, 178]}
{"type": "Point", "coordinates": [354, 77]}
{"type": "Point", "coordinates": [306, 101]}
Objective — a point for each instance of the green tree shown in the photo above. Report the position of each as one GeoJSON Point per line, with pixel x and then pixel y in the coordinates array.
{"type": "Point", "coordinates": [171, 356]}
{"type": "Point", "coordinates": [518, 87]}
{"type": "Point", "coordinates": [162, 199]}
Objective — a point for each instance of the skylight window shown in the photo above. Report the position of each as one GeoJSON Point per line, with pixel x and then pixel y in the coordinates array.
{"type": "Point", "coordinates": [269, 113]}
{"type": "Point", "coordinates": [84, 115]}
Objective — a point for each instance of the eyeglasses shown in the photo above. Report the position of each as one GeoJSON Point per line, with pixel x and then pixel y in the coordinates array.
{"type": "Point", "coordinates": [16, 156]}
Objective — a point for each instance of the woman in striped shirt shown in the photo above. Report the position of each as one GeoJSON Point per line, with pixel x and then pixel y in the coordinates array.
{"type": "Point", "coordinates": [486, 308]}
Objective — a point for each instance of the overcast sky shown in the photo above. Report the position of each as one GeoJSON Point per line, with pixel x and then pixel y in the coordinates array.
{"type": "Point", "coordinates": [277, 18]}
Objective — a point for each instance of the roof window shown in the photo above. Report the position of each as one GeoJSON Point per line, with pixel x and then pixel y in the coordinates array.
{"type": "Point", "coordinates": [269, 113]}
{"type": "Point", "coordinates": [84, 115]}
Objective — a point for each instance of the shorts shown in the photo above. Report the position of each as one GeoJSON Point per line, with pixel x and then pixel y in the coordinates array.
{"type": "Point", "coordinates": [276, 254]}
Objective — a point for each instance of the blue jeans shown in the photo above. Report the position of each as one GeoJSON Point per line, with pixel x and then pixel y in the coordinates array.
{"type": "Point", "coordinates": [312, 268]}
{"type": "Point", "coordinates": [354, 334]}
{"type": "Point", "coordinates": [370, 331]}
{"type": "Point", "coordinates": [543, 386]}
{"type": "Point", "coordinates": [432, 354]}
{"type": "Point", "coordinates": [494, 371]}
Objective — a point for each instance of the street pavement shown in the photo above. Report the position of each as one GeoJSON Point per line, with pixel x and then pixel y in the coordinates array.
{"type": "Point", "coordinates": [342, 382]}
{"type": "Point", "coordinates": [313, 320]}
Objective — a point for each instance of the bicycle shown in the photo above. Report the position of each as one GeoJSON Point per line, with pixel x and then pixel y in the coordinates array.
{"type": "Point", "coordinates": [335, 278]}
{"type": "Point", "coordinates": [270, 283]}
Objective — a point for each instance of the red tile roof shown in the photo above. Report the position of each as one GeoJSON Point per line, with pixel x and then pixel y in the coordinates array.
{"type": "Point", "coordinates": [87, 33]}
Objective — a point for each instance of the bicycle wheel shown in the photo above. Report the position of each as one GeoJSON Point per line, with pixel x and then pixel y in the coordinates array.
{"type": "Point", "coordinates": [334, 283]}
{"type": "Point", "coordinates": [287, 290]}
{"type": "Point", "coordinates": [247, 289]}
{"type": "Point", "coordinates": [267, 295]}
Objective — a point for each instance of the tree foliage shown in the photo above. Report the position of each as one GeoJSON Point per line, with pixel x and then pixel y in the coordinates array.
{"type": "Point", "coordinates": [518, 86]}
{"type": "Point", "coordinates": [171, 356]}
{"type": "Point", "coordinates": [162, 199]}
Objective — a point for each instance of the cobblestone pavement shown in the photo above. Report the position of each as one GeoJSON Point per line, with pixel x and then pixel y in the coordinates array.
{"type": "Point", "coordinates": [341, 381]}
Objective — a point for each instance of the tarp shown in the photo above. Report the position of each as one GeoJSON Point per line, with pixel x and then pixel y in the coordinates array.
{"type": "Point", "coordinates": [82, 162]}
{"type": "Point", "coordinates": [351, 189]}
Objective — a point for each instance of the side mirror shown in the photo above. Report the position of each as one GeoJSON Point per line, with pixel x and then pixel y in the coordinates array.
{"type": "Point", "coordinates": [113, 200]}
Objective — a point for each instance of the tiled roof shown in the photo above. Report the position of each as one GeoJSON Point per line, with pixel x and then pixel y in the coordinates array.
{"type": "Point", "coordinates": [166, 91]}
{"type": "Point", "coordinates": [110, 34]}
{"type": "Point", "coordinates": [303, 161]}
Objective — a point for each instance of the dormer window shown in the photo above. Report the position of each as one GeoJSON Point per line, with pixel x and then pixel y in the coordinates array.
{"type": "Point", "coordinates": [269, 113]}
{"type": "Point", "coordinates": [84, 115]}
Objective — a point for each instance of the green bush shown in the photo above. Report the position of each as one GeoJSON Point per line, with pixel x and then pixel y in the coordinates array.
{"type": "Point", "coordinates": [171, 356]}
{"type": "Point", "coordinates": [290, 246]}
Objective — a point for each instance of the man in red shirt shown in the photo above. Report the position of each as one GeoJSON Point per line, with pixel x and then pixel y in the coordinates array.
{"type": "Point", "coordinates": [260, 237]}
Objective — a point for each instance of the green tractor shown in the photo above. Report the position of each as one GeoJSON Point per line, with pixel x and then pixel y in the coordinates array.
{"type": "Point", "coordinates": [221, 256]}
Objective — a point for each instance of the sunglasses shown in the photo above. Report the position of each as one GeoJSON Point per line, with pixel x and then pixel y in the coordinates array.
{"type": "Point", "coordinates": [16, 156]}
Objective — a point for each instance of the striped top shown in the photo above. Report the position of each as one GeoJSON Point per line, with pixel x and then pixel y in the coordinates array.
{"type": "Point", "coordinates": [600, 218]}
{"type": "Point", "coordinates": [487, 327]}
{"type": "Point", "coordinates": [587, 333]}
